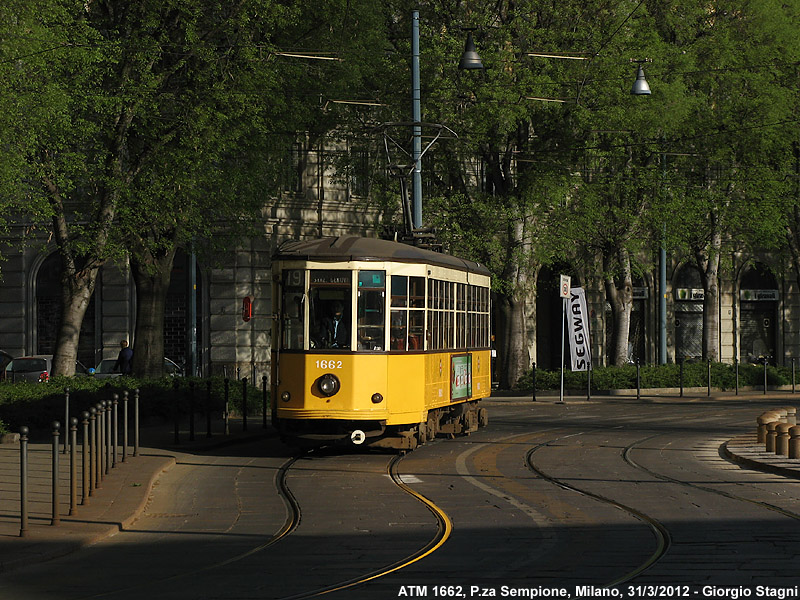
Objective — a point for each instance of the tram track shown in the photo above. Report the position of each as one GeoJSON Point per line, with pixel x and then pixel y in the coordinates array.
{"type": "Point", "coordinates": [444, 529]}
{"type": "Point", "coordinates": [766, 505]}
{"type": "Point", "coordinates": [658, 529]}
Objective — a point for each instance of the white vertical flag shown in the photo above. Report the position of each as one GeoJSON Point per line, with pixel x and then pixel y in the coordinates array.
{"type": "Point", "coordinates": [578, 327]}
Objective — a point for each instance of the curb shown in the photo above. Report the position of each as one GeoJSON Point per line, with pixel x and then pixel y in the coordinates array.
{"type": "Point", "coordinates": [761, 460]}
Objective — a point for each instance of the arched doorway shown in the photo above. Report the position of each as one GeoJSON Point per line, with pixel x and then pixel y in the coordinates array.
{"type": "Point", "coordinates": [689, 295]}
{"type": "Point", "coordinates": [758, 294]}
{"type": "Point", "coordinates": [47, 317]}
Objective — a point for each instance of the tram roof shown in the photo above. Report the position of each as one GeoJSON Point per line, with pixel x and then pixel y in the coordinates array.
{"type": "Point", "coordinates": [353, 248]}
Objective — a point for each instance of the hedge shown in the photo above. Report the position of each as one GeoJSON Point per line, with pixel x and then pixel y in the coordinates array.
{"type": "Point", "coordinates": [695, 374]}
{"type": "Point", "coordinates": [37, 405]}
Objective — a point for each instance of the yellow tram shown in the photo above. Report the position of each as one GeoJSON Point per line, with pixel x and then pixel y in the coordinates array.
{"type": "Point", "coordinates": [377, 342]}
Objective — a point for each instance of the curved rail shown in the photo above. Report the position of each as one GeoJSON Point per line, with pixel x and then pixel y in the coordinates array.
{"type": "Point", "coordinates": [660, 532]}
{"type": "Point", "coordinates": [627, 457]}
{"type": "Point", "coordinates": [444, 529]}
{"type": "Point", "coordinates": [289, 525]}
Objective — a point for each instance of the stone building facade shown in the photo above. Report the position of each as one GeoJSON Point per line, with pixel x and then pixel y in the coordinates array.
{"type": "Point", "coordinates": [759, 305]}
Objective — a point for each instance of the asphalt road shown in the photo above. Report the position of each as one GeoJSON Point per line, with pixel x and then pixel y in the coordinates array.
{"type": "Point", "coordinates": [549, 497]}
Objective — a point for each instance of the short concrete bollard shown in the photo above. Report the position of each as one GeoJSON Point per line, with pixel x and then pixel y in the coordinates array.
{"type": "Point", "coordinates": [791, 414]}
{"type": "Point", "coordinates": [782, 439]}
{"type": "Point", "coordinates": [762, 421]}
{"type": "Point", "coordinates": [794, 441]}
{"type": "Point", "coordinates": [772, 435]}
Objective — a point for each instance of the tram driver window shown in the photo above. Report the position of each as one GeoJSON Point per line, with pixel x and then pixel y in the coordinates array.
{"type": "Point", "coordinates": [371, 310]}
{"type": "Point", "coordinates": [329, 310]}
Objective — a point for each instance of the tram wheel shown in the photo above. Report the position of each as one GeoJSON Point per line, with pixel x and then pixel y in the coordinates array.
{"type": "Point", "coordinates": [483, 417]}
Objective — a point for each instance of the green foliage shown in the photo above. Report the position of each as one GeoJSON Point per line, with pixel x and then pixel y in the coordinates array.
{"type": "Point", "coordinates": [38, 405]}
{"type": "Point", "coordinates": [695, 374]}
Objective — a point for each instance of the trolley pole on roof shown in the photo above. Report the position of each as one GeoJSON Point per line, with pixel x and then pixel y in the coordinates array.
{"type": "Point", "coordinates": [416, 187]}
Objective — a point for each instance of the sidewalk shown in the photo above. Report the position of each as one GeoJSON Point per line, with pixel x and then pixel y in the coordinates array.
{"type": "Point", "coordinates": [112, 507]}
{"type": "Point", "coordinates": [125, 489]}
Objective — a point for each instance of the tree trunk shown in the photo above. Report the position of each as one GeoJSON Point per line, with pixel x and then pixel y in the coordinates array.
{"type": "Point", "coordinates": [619, 292]}
{"type": "Point", "coordinates": [512, 353]}
{"type": "Point", "coordinates": [709, 267]}
{"type": "Point", "coordinates": [152, 277]}
{"type": "Point", "coordinates": [76, 292]}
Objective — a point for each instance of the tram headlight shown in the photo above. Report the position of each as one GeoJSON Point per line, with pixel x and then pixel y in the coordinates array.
{"type": "Point", "coordinates": [328, 384]}
{"type": "Point", "coordinates": [286, 396]}
{"type": "Point", "coordinates": [377, 398]}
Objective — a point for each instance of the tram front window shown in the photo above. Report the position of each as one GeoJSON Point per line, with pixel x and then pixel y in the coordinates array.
{"type": "Point", "coordinates": [371, 310]}
{"type": "Point", "coordinates": [330, 296]}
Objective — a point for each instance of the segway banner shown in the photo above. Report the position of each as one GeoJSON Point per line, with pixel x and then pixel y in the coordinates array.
{"type": "Point", "coordinates": [578, 327]}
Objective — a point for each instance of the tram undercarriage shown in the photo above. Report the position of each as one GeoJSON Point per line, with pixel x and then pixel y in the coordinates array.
{"type": "Point", "coordinates": [449, 421]}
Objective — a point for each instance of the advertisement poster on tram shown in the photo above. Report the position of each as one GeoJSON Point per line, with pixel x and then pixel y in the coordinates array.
{"type": "Point", "coordinates": [461, 377]}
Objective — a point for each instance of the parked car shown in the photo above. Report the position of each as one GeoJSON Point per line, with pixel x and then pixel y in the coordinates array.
{"type": "Point", "coordinates": [36, 368]}
{"type": "Point", "coordinates": [105, 369]}
{"type": "Point", "coordinates": [5, 358]}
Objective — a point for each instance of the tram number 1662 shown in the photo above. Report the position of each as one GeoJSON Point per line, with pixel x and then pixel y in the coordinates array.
{"type": "Point", "coordinates": [329, 364]}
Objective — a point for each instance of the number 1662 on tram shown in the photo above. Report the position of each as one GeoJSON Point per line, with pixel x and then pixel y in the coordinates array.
{"type": "Point", "coordinates": [377, 343]}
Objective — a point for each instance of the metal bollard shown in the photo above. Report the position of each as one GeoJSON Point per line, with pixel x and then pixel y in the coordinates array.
{"type": "Point", "coordinates": [92, 450]}
{"type": "Point", "coordinates": [709, 377]}
{"type": "Point", "coordinates": [762, 421]}
{"type": "Point", "coordinates": [736, 369]}
{"type": "Point", "coordinates": [765, 375]}
{"type": "Point", "coordinates": [772, 434]}
{"type": "Point", "coordinates": [638, 381]}
{"type": "Point", "coordinates": [56, 428]}
{"type": "Point", "coordinates": [226, 413]}
{"type": "Point", "coordinates": [791, 414]}
{"type": "Point", "coordinates": [794, 441]}
{"type": "Point", "coordinates": [66, 416]}
{"type": "Point", "coordinates": [793, 372]}
{"type": "Point", "coordinates": [683, 360]}
{"type": "Point", "coordinates": [101, 439]}
{"type": "Point", "coordinates": [136, 422]}
{"type": "Point", "coordinates": [264, 402]}
{"type": "Point", "coordinates": [589, 383]}
{"type": "Point", "coordinates": [533, 380]}
{"type": "Point", "coordinates": [124, 425]}
{"type": "Point", "coordinates": [23, 481]}
{"type": "Point", "coordinates": [177, 414]}
{"type": "Point", "coordinates": [108, 437]}
{"type": "Point", "coordinates": [191, 411]}
{"type": "Point", "coordinates": [244, 404]}
{"type": "Point", "coordinates": [85, 463]}
{"type": "Point", "coordinates": [782, 439]}
{"type": "Point", "coordinates": [115, 430]}
{"type": "Point", "coordinates": [73, 465]}
{"type": "Point", "coordinates": [208, 408]}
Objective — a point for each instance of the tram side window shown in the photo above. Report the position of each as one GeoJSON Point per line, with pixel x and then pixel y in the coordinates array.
{"type": "Point", "coordinates": [398, 317]}
{"type": "Point", "coordinates": [292, 325]}
{"type": "Point", "coordinates": [371, 310]}
{"type": "Point", "coordinates": [416, 313]}
{"type": "Point", "coordinates": [407, 317]}
{"type": "Point", "coordinates": [330, 294]}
